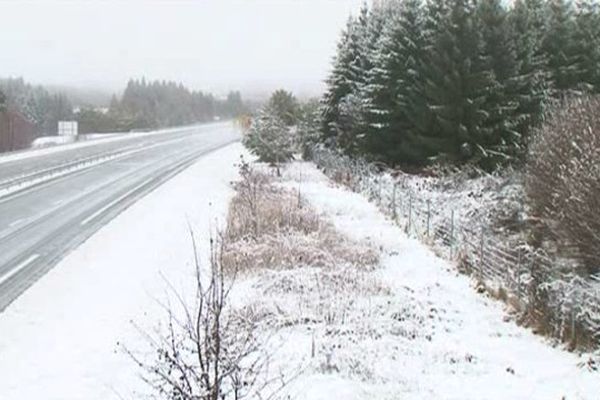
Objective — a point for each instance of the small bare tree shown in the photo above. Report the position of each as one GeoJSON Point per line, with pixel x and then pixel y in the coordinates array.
{"type": "Point", "coordinates": [250, 188]}
{"type": "Point", "coordinates": [212, 352]}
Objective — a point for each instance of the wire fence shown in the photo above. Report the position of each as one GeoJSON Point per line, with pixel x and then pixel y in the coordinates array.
{"type": "Point", "coordinates": [562, 304]}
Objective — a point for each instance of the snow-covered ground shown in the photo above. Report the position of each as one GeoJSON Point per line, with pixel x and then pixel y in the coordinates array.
{"type": "Point", "coordinates": [63, 338]}
{"type": "Point", "coordinates": [411, 329]}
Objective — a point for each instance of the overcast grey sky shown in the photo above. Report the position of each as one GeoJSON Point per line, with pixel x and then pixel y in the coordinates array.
{"type": "Point", "coordinates": [210, 44]}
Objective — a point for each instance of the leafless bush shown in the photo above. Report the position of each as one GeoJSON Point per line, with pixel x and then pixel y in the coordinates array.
{"type": "Point", "coordinates": [563, 178]}
{"type": "Point", "coordinates": [260, 208]}
{"type": "Point", "coordinates": [211, 351]}
{"type": "Point", "coordinates": [271, 227]}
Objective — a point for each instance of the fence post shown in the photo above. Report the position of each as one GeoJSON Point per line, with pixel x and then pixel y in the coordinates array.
{"type": "Point", "coordinates": [451, 233]}
{"type": "Point", "coordinates": [408, 226]}
{"type": "Point", "coordinates": [428, 215]}
{"type": "Point", "coordinates": [519, 274]}
{"type": "Point", "coordinates": [532, 287]}
{"type": "Point", "coordinates": [394, 213]}
{"type": "Point", "coordinates": [573, 317]}
{"type": "Point", "coordinates": [481, 254]}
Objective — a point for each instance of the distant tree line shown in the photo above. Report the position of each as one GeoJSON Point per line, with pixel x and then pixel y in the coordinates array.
{"type": "Point", "coordinates": [37, 104]}
{"type": "Point", "coordinates": [157, 104]}
{"type": "Point", "coordinates": [143, 105]}
{"type": "Point", "coordinates": [458, 80]}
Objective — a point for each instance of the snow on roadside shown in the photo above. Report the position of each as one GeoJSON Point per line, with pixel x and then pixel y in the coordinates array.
{"type": "Point", "coordinates": [92, 140]}
{"type": "Point", "coordinates": [413, 328]}
{"type": "Point", "coordinates": [62, 338]}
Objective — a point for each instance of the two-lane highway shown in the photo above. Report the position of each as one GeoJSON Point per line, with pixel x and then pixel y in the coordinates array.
{"type": "Point", "coordinates": [66, 196]}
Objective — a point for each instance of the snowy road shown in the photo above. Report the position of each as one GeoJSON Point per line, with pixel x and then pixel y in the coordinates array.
{"type": "Point", "coordinates": [52, 201]}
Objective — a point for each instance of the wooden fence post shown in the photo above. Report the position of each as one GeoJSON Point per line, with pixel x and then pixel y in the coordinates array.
{"type": "Point", "coordinates": [394, 213]}
{"type": "Point", "coordinates": [408, 227]}
{"type": "Point", "coordinates": [481, 244]}
{"type": "Point", "coordinates": [451, 233]}
{"type": "Point", "coordinates": [428, 215]}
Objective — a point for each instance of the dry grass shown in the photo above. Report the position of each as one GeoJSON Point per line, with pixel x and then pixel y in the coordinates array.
{"type": "Point", "coordinates": [269, 227]}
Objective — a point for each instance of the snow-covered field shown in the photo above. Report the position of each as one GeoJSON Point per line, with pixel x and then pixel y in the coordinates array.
{"type": "Point", "coordinates": [63, 338]}
{"type": "Point", "coordinates": [411, 329]}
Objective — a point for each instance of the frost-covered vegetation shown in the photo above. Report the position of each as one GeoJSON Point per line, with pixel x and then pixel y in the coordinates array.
{"type": "Point", "coordinates": [344, 305]}
{"type": "Point", "coordinates": [274, 228]}
{"type": "Point", "coordinates": [486, 224]}
{"type": "Point", "coordinates": [450, 89]}
{"type": "Point", "coordinates": [282, 128]}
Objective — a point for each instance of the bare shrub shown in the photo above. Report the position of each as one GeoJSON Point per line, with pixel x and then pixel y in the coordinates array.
{"type": "Point", "coordinates": [271, 227]}
{"type": "Point", "coordinates": [563, 179]}
{"type": "Point", "coordinates": [210, 350]}
{"type": "Point", "coordinates": [260, 208]}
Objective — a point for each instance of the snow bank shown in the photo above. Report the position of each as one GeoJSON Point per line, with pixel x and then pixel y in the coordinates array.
{"type": "Point", "coordinates": [47, 141]}
{"type": "Point", "coordinates": [414, 328]}
{"type": "Point", "coordinates": [92, 140]}
{"type": "Point", "coordinates": [62, 339]}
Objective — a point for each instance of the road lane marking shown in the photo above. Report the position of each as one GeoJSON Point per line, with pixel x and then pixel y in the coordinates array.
{"type": "Point", "coordinates": [39, 178]}
{"type": "Point", "coordinates": [18, 268]}
{"type": "Point", "coordinates": [7, 232]}
{"type": "Point", "coordinates": [116, 201]}
{"type": "Point", "coordinates": [17, 222]}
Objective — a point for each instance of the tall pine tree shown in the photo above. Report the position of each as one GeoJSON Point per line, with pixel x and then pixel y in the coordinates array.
{"type": "Point", "coordinates": [587, 45]}
{"type": "Point", "coordinates": [343, 84]}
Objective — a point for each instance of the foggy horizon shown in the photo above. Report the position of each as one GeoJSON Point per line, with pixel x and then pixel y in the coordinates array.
{"type": "Point", "coordinates": [251, 46]}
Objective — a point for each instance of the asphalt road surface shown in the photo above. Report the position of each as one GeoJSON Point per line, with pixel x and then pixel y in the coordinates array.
{"type": "Point", "coordinates": [51, 203]}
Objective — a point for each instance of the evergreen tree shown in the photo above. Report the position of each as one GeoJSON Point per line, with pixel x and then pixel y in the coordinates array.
{"type": "Point", "coordinates": [587, 45]}
{"type": "Point", "coordinates": [559, 45]}
{"type": "Point", "coordinates": [378, 92]}
{"type": "Point", "coordinates": [499, 58]}
{"type": "Point", "coordinates": [465, 80]}
{"type": "Point", "coordinates": [532, 80]}
{"type": "Point", "coordinates": [269, 138]}
{"type": "Point", "coordinates": [458, 94]}
{"type": "Point", "coordinates": [342, 82]}
{"type": "Point", "coordinates": [396, 113]}
{"type": "Point", "coordinates": [309, 127]}
{"type": "Point", "coordinates": [371, 31]}
{"type": "Point", "coordinates": [285, 106]}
